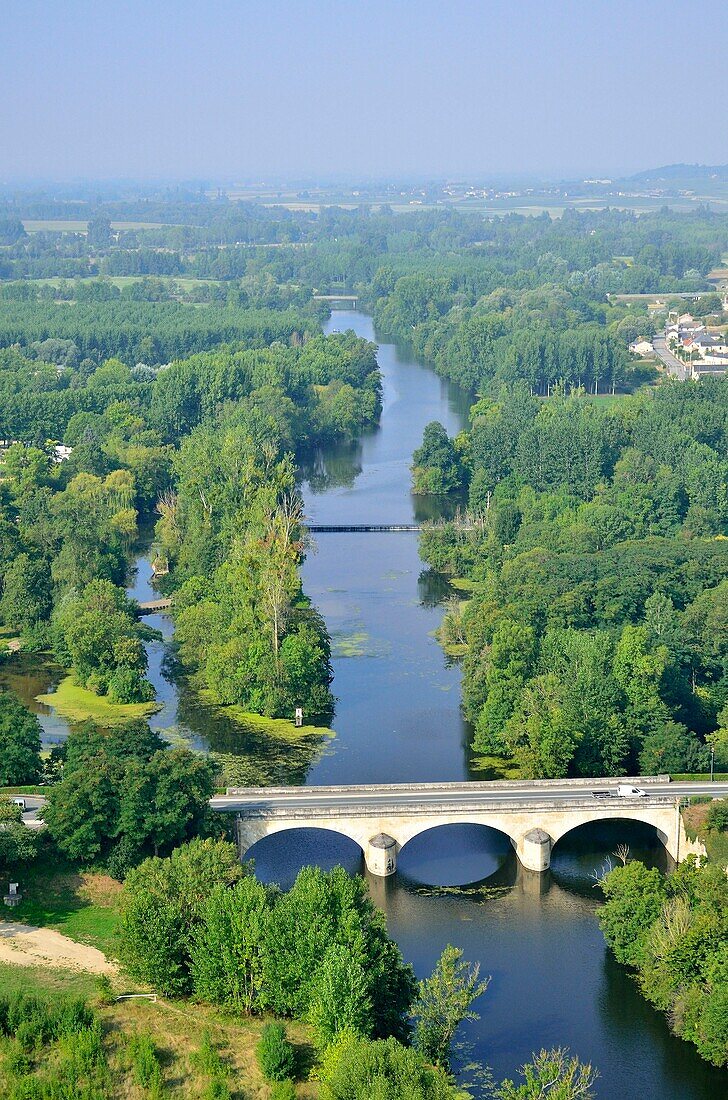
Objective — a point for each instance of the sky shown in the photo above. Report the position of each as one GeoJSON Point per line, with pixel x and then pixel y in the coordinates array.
{"type": "Point", "coordinates": [240, 90]}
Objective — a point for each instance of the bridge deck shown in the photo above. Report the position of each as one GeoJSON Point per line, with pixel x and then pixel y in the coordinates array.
{"type": "Point", "coordinates": [418, 798]}
{"type": "Point", "coordinates": [148, 607]}
{"type": "Point", "coordinates": [318, 528]}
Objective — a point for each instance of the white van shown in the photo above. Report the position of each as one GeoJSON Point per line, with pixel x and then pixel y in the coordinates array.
{"type": "Point", "coordinates": [624, 790]}
{"type": "Point", "coordinates": [19, 802]}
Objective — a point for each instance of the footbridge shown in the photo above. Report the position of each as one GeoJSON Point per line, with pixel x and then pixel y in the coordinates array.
{"type": "Point", "coordinates": [533, 814]}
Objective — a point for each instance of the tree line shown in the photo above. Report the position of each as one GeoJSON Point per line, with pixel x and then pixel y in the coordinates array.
{"type": "Point", "coordinates": [595, 639]}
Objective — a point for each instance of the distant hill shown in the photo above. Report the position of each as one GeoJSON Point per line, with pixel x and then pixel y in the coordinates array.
{"type": "Point", "coordinates": [680, 173]}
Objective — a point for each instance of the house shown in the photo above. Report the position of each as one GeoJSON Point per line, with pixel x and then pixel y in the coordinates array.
{"type": "Point", "coordinates": [641, 347]}
{"type": "Point", "coordinates": [713, 367]}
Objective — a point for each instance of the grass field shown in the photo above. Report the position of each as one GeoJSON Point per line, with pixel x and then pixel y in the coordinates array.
{"type": "Point", "coordinates": [80, 904]}
{"type": "Point", "coordinates": [184, 282]}
{"type": "Point", "coordinates": [79, 704]}
{"type": "Point", "coordinates": [176, 1028]}
{"type": "Point", "coordinates": [61, 225]}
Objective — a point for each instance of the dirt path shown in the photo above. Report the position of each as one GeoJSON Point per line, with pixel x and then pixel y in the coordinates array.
{"type": "Point", "coordinates": [25, 945]}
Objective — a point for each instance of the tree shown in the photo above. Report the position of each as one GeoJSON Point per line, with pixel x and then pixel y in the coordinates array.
{"type": "Point", "coordinates": [125, 786]}
{"type": "Point", "coordinates": [27, 597]}
{"type": "Point", "coordinates": [443, 1002]}
{"type": "Point", "coordinates": [435, 465]}
{"type": "Point", "coordinates": [554, 1074]}
{"type": "Point", "coordinates": [541, 734]}
{"type": "Point", "coordinates": [672, 748]}
{"type": "Point", "coordinates": [226, 960]}
{"type": "Point", "coordinates": [341, 999]}
{"type": "Point", "coordinates": [322, 910]}
{"type": "Point", "coordinates": [20, 761]}
{"type": "Point", "coordinates": [355, 1069]}
{"type": "Point", "coordinates": [634, 900]}
{"type": "Point", "coordinates": [18, 843]}
{"type": "Point", "coordinates": [162, 902]}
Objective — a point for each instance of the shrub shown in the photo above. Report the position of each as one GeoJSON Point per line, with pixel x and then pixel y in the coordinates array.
{"type": "Point", "coordinates": [276, 1056]}
{"type": "Point", "coordinates": [104, 990]}
{"type": "Point", "coordinates": [207, 1059]}
{"type": "Point", "coordinates": [717, 818]}
{"type": "Point", "coordinates": [283, 1090]}
{"type": "Point", "coordinates": [143, 1054]}
{"type": "Point", "coordinates": [217, 1089]}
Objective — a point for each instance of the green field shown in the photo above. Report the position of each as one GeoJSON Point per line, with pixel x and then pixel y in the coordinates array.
{"type": "Point", "coordinates": [184, 282]}
{"type": "Point", "coordinates": [80, 904]}
{"type": "Point", "coordinates": [79, 704]}
{"type": "Point", "coordinates": [61, 225]}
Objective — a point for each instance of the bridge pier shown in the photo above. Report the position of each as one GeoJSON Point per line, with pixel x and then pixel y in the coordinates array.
{"type": "Point", "coordinates": [534, 850]}
{"type": "Point", "coordinates": [380, 855]}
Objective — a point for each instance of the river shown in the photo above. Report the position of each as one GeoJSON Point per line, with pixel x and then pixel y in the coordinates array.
{"type": "Point", "coordinates": [398, 719]}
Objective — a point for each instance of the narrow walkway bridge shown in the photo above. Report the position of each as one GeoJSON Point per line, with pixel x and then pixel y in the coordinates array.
{"type": "Point", "coordinates": [320, 528]}
{"type": "Point", "coordinates": [351, 298]}
{"type": "Point", "coordinates": [534, 814]}
{"type": "Point", "coordinates": [149, 607]}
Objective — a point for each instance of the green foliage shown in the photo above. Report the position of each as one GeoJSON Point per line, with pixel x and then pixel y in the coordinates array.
{"type": "Point", "coordinates": [634, 899]}
{"type": "Point", "coordinates": [226, 947]}
{"type": "Point", "coordinates": [124, 793]}
{"type": "Point", "coordinates": [283, 1090]}
{"type": "Point", "coordinates": [20, 761]}
{"type": "Point", "coordinates": [145, 1062]}
{"type": "Point", "coordinates": [98, 633]}
{"type": "Point", "coordinates": [276, 1056]}
{"type": "Point", "coordinates": [435, 465]}
{"type": "Point", "coordinates": [553, 1073]}
{"type": "Point", "coordinates": [162, 902]}
{"type": "Point", "coordinates": [321, 911]}
{"type": "Point", "coordinates": [18, 844]}
{"type": "Point", "coordinates": [356, 1069]}
{"type": "Point", "coordinates": [443, 1001]}
{"type": "Point", "coordinates": [319, 952]}
{"type": "Point", "coordinates": [341, 999]}
{"type": "Point", "coordinates": [675, 934]}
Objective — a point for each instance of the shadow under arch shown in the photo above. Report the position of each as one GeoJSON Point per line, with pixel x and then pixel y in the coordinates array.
{"type": "Point", "coordinates": [590, 849]}
{"type": "Point", "coordinates": [280, 856]}
{"type": "Point", "coordinates": [458, 854]}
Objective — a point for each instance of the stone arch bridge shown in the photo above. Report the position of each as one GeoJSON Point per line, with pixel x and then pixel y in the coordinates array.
{"type": "Point", "coordinates": [533, 814]}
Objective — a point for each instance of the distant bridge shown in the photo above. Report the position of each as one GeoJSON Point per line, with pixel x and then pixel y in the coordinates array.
{"type": "Point", "coordinates": [319, 528]}
{"type": "Point", "coordinates": [352, 299]}
{"type": "Point", "coordinates": [533, 814]}
{"type": "Point", "coordinates": [149, 607]}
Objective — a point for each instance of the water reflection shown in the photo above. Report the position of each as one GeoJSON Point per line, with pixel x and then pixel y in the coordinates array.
{"type": "Point", "coordinates": [280, 857]}
{"type": "Point", "coordinates": [455, 855]}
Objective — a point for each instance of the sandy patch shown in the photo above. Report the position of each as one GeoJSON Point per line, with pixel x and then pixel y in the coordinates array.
{"type": "Point", "coordinates": [25, 945]}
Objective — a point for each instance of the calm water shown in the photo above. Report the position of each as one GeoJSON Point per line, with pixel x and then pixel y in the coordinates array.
{"type": "Point", "coordinates": [398, 719]}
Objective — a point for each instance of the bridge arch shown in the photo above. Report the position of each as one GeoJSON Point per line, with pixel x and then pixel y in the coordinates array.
{"type": "Point", "coordinates": [456, 853]}
{"type": "Point", "coordinates": [325, 845]}
{"type": "Point", "coordinates": [615, 829]}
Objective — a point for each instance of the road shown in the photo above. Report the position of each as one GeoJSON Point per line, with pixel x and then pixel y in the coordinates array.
{"type": "Point", "coordinates": [33, 803]}
{"type": "Point", "coordinates": [672, 363]}
{"type": "Point", "coordinates": [443, 794]}
{"type": "Point", "coordinates": [397, 796]}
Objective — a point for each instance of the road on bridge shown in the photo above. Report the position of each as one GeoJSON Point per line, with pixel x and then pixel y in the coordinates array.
{"type": "Point", "coordinates": [456, 795]}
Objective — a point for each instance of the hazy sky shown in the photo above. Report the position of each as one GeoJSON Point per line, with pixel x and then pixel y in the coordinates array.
{"type": "Point", "coordinates": [244, 89]}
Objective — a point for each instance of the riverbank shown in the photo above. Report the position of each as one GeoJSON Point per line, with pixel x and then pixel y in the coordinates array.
{"type": "Point", "coordinates": [78, 704]}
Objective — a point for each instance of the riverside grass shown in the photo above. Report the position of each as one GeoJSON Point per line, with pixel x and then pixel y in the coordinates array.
{"type": "Point", "coordinates": [79, 704]}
